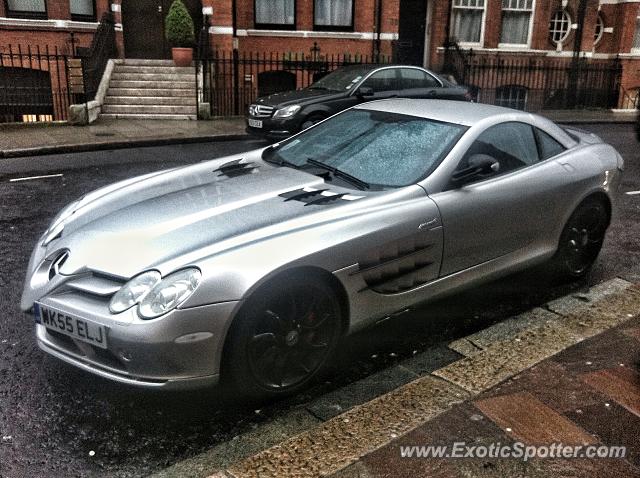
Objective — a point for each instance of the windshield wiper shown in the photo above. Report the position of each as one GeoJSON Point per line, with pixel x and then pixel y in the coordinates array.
{"type": "Point", "coordinates": [359, 183]}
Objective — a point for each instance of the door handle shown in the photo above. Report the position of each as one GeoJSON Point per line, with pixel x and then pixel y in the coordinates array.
{"type": "Point", "coordinates": [159, 8]}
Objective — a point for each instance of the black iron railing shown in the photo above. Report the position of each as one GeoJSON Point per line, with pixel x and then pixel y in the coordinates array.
{"type": "Point", "coordinates": [536, 83]}
{"type": "Point", "coordinates": [94, 60]}
{"type": "Point", "coordinates": [231, 80]}
{"type": "Point", "coordinates": [33, 84]}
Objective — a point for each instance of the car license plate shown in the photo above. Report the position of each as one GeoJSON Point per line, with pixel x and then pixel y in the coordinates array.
{"type": "Point", "coordinates": [71, 325]}
{"type": "Point", "coordinates": [255, 123]}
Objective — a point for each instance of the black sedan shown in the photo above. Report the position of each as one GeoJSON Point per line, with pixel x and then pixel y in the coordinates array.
{"type": "Point", "coordinates": [280, 115]}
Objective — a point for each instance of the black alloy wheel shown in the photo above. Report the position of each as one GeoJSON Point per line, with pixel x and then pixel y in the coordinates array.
{"type": "Point", "coordinates": [582, 238]}
{"type": "Point", "coordinates": [311, 120]}
{"type": "Point", "coordinates": [284, 337]}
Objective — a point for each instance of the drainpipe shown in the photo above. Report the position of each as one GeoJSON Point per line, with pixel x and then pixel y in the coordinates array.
{"type": "Point", "coordinates": [236, 61]}
{"type": "Point", "coordinates": [376, 41]}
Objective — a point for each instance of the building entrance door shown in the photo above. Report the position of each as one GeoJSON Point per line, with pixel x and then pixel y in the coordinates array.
{"type": "Point", "coordinates": [411, 30]}
{"type": "Point", "coordinates": [143, 26]}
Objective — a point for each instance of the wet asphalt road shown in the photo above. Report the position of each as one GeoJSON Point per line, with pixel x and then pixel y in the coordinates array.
{"type": "Point", "coordinates": [55, 420]}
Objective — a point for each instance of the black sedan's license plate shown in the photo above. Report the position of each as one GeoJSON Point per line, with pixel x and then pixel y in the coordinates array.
{"type": "Point", "coordinates": [71, 325]}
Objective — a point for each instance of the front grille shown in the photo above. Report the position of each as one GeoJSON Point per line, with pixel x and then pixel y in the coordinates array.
{"type": "Point", "coordinates": [261, 111]}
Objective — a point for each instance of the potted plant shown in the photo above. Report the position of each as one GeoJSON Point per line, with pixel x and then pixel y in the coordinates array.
{"type": "Point", "coordinates": [179, 31]}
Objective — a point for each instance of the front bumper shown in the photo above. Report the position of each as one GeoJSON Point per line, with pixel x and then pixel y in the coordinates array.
{"type": "Point", "coordinates": [147, 353]}
{"type": "Point", "coordinates": [274, 128]}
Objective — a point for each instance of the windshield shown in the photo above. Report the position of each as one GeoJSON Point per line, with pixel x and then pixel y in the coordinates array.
{"type": "Point", "coordinates": [379, 148]}
{"type": "Point", "coordinates": [340, 80]}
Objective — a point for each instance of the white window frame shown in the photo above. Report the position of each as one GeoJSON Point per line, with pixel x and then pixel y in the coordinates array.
{"type": "Point", "coordinates": [567, 17]}
{"type": "Point", "coordinates": [529, 33]}
{"type": "Point", "coordinates": [482, 24]}
{"type": "Point", "coordinates": [636, 51]}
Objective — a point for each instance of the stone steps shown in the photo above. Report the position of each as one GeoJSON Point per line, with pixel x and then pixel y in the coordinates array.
{"type": "Point", "coordinates": [151, 89]}
{"type": "Point", "coordinates": [148, 116]}
{"type": "Point", "coordinates": [151, 100]}
{"type": "Point", "coordinates": [149, 109]}
{"type": "Point", "coordinates": [154, 92]}
{"type": "Point", "coordinates": [153, 84]}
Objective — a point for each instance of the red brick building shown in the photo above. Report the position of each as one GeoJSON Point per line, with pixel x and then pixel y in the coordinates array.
{"type": "Point", "coordinates": [413, 30]}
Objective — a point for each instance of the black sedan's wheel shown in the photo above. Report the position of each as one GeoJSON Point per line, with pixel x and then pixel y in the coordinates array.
{"type": "Point", "coordinates": [283, 337]}
{"type": "Point", "coordinates": [582, 239]}
{"type": "Point", "coordinates": [311, 120]}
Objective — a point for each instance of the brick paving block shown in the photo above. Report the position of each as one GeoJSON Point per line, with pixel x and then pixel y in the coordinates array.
{"type": "Point", "coordinates": [527, 419]}
{"type": "Point", "coordinates": [621, 384]}
{"type": "Point", "coordinates": [607, 350]}
{"type": "Point", "coordinates": [552, 384]}
{"type": "Point", "coordinates": [633, 332]}
{"type": "Point", "coordinates": [613, 425]}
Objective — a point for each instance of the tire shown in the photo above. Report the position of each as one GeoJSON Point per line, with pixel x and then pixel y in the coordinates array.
{"type": "Point", "coordinates": [581, 240]}
{"type": "Point", "coordinates": [282, 338]}
{"type": "Point", "coordinates": [311, 120]}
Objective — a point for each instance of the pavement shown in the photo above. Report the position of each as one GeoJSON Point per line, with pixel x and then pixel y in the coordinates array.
{"type": "Point", "coordinates": [19, 140]}
{"type": "Point", "coordinates": [563, 375]}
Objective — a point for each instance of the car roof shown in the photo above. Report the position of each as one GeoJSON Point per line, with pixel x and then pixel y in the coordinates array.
{"type": "Point", "coordinates": [448, 111]}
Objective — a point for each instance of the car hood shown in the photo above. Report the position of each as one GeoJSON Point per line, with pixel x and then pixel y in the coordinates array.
{"type": "Point", "coordinates": [141, 223]}
{"type": "Point", "coordinates": [302, 97]}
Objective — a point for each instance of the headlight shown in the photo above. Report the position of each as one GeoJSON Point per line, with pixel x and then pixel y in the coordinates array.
{"type": "Point", "coordinates": [133, 291]}
{"type": "Point", "coordinates": [57, 225]}
{"type": "Point", "coordinates": [169, 293]}
{"type": "Point", "coordinates": [287, 111]}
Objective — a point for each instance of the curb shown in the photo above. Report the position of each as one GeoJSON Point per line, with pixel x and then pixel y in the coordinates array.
{"type": "Point", "coordinates": [322, 448]}
{"type": "Point", "coordinates": [86, 147]}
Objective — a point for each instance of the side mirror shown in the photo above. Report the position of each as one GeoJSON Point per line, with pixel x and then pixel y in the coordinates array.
{"type": "Point", "coordinates": [364, 91]}
{"type": "Point", "coordinates": [479, 166]}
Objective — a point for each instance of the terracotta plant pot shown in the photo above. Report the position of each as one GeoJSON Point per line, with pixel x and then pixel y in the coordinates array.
{"type": "Point", "coordinates": [182, 56]}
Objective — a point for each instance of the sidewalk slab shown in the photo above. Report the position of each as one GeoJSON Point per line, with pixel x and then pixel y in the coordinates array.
{"type": "Point", "coordinates": [548, 403]}
{"type": "Point", "coordinates": [57, 138]}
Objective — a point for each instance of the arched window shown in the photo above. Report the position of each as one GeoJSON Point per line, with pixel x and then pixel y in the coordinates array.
{"type": "Point", "coordinates": [512, 96]}
{"type": "Point", "coordinates": [597, 34]}
{"type": "Point", "coordinates": [559, 26]}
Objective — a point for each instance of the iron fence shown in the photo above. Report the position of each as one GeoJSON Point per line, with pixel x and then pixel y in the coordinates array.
{"type": "Point", "coordinates": [231, 80]}
{"type": "Point", "coordinates": [33, 84]}
{"type": "Point", "coordinates": [95, 58]}
{"type": "Point", "coordinates": [537, 83]}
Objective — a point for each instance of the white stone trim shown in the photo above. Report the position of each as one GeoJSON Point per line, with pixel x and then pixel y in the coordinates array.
{"type": "Point", "coordinates": [220, 30]}
{"type": "Point", "coordinates": [115, 7]}
{"type": "Point", "coordinates": [30, 23]}
{"type": "Point", "coordinates": [118, 27]}
{"type": "Point", "coordinates": [616, 2]}
{"type": "Point", "coordinates": [315, 34]}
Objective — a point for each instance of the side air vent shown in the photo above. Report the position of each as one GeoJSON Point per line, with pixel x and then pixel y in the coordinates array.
{"type": "Point", "coordinates": [235, 168]}
{"type": "Point", "coordinates": [310, 196]}
{"type": "Point", "coordinates": [399, 266]}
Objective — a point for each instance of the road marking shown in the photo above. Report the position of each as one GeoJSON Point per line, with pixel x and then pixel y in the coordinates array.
{"type": "Point", "coordinates": [632, 193]}
{"type": "Point", "coordinates": [15, 180]}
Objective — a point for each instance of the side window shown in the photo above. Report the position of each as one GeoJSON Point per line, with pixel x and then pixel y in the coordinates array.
{"type": "Point", "coordinates": [383, 80]}
{"type": "Point", "coordinates": [414, 78]}
{"type": "Point", "coordinates": [548, 146]}
{"type": "Point", "coordinates": [512, 144]}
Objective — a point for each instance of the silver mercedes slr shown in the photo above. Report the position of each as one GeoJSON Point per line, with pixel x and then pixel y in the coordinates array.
{"type": "Point", "coordinates": [249, 269]}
